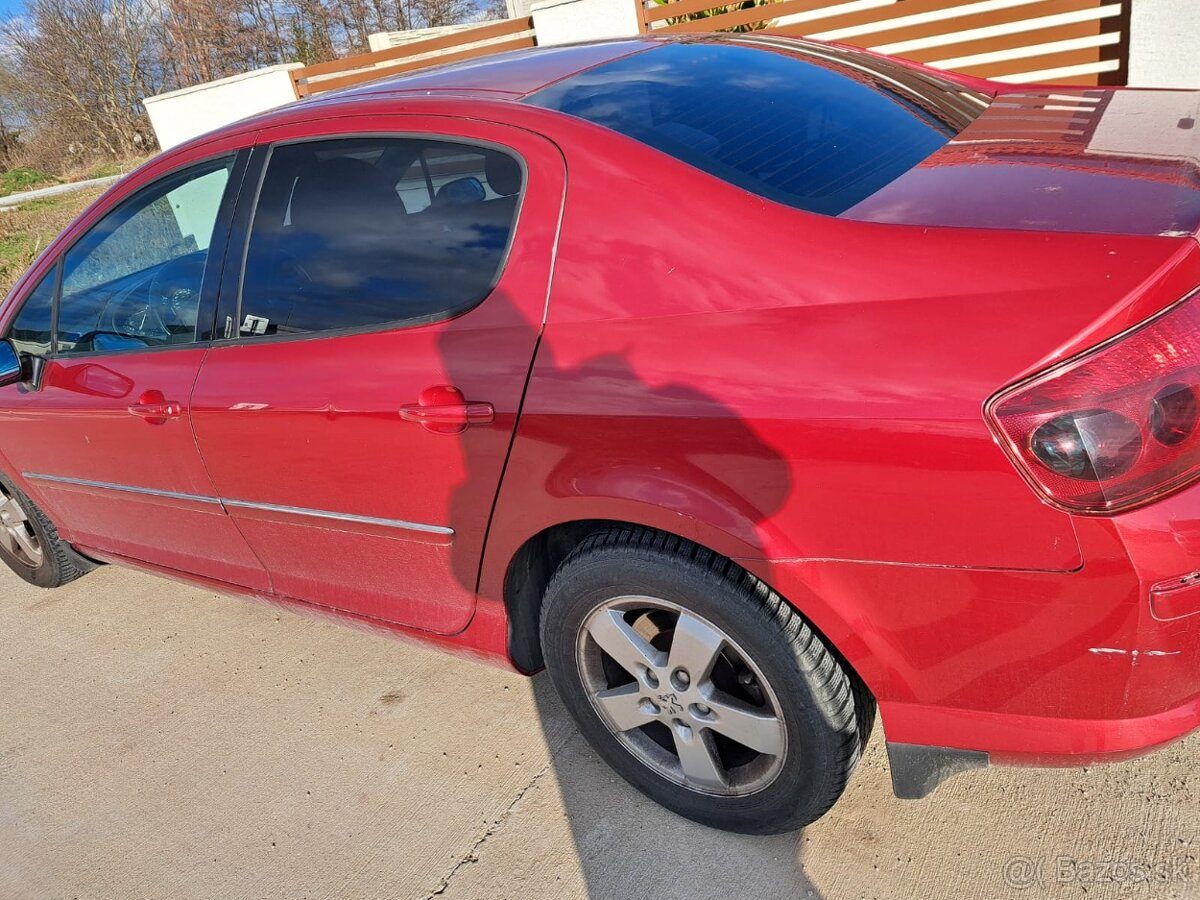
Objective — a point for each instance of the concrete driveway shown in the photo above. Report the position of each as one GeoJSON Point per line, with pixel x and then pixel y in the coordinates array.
{"type": "Point", "coordinates": [158, 740]}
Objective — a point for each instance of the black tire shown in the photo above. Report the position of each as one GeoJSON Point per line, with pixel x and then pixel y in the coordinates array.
{"type": "Point", "coordinates": [825, 710]}
{"type": "Point", "coordinates": [58, 562]}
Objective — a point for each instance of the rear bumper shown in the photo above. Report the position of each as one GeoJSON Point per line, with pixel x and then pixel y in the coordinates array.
{"type": "Point", "coordinates": [918, 769]}
{"type": "Point", "coordinates": [1031, 668]}
{"type": "Point", "coordinates": [1021, 740]}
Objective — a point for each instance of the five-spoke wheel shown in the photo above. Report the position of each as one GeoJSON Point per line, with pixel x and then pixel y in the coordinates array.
{"type": "Point", "coordinates": [16, 530]}
{"type": "Point", "coordinates": [684, 697]}
{"type": "Point", "coordinates": [699, 684]}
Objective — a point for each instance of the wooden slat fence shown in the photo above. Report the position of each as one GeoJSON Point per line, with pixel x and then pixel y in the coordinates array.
{"type": "Point", "coordinates": [468, 43]}
{"type": "Point", "coordinates": [1084, 42]}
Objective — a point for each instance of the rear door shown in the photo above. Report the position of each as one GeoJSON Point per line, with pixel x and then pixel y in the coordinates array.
{"type": "Point", "coordinates": [121, 321]}
{"type": "Point", "coordinates": [357, 417]}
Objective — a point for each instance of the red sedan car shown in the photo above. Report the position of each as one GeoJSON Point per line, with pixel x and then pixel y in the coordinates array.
{"type": "Point", "coordinates": [746, 384]}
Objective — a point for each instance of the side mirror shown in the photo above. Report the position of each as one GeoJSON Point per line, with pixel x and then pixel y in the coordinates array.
{"type": "Point", "coordinates": [10, 364]}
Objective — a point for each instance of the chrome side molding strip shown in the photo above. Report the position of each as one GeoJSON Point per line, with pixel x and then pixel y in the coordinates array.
{"type": "Point", "coordinates": [399, 524]}
{"type": "Point", "coordinates": [341, 517]}
{"type": "Point", "coordinates": [123, 488]}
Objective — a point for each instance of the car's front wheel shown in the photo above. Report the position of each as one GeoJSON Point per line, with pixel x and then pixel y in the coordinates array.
{"type": "Point", "coordinates": [30, 545]}
{"type": "Point", "coordinates": [699, 684]}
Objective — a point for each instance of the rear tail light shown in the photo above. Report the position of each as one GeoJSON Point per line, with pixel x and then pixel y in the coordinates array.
{"type": "Point", "coordinates": [1113, 428]}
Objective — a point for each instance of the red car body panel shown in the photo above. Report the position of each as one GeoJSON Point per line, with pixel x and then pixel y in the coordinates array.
{"type": "Point", "coordinates": [83, 428]}
{"type": "Point", "coordinates": [803, 394]}
{"type": "Point", "coordinates": [296, 406]}
{"type": "Point", "coordinates": [813, 480]}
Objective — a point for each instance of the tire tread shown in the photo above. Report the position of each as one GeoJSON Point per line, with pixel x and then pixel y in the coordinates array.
{"type": "Point", "coordinates": [843, 698]}
{"type": "Point", "coordinates": [61, 563]}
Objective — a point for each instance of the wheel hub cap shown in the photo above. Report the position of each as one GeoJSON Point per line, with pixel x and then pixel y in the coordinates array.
{"type": "Point", "coordinates": [682, 696]}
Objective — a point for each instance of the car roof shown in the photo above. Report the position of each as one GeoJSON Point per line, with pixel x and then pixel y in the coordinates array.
{"type": "Point", "coordinates": [503, 77]}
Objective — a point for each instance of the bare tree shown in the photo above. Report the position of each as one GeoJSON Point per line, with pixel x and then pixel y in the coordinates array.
{"type": "Point", "coordinates": [74, 72]}
{"type": "Point", "coordinates": [81, 67]}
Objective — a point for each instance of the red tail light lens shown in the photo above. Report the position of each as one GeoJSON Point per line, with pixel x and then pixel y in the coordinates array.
{"type": "Point", "coordinates": [1113, 428]}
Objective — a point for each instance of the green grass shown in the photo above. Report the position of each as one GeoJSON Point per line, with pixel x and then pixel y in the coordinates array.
{"type": "Point", "coordinates": [20, 245]}
{"type": "Point", "coordinates": [104, 170]}
{"type": "Point", "coordinates": [26, 230]}
{"type": "Point", "coordinates": [23, 178]}
{"type": "Point", "coordinates": [17, 251]}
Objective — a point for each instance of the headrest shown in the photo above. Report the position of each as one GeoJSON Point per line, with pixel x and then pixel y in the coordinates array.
{"type": "Point", "coordinates": [345, 188]}
{"type": "Point", "coordinates": [503, 173]}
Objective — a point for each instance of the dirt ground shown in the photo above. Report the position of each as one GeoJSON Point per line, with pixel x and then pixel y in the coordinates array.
{"type": "Point", "coordinates": [158, 740]}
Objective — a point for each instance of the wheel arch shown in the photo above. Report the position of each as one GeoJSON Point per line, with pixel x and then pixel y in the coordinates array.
{"type": "Point", "coordinates": [535, 561]}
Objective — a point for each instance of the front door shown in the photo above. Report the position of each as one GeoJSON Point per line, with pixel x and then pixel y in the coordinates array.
{"type": "Point", "coordinates": [357, 420]}
{"type": "Point", "coordinates": [119, 321]}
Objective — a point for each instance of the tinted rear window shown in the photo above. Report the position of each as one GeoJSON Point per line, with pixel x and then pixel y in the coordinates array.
{"type": "Point", "coordinates": [816, 127]}
{"type": "Point", "coordinates": [363, 232]}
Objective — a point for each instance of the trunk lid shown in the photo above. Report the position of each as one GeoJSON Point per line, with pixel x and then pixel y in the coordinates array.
{"type": "Point", "coordinates": [1089, 160]}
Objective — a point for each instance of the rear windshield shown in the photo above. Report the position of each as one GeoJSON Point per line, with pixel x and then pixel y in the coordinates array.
{"type": "Point", "coordinates": [816, 127]}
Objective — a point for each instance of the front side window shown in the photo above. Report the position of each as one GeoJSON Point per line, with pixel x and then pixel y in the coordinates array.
{"type": "Point", "coordinates": [813, 126]}
{"type": "Point", "coordinates": [359, 232]}
{"type": "Point", "coordinates": [134, 280]}
{"type": "Point", "coordinates": [31, 330]}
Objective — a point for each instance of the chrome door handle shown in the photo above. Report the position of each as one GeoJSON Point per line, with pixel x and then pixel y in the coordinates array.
{"type": "Point", "coordinates": [443, 409]}
{"type": "Point", "coordinates": [155, 408]}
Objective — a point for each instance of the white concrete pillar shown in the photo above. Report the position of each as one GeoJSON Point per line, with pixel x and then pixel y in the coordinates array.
{"type": "Point", "coordinates": [386, 40]}
{"type": "Point", "coordinates": [178, 116]}
{"type": "Point", "coordinates": [1164, 45]}
{"type": "Point", "coordinates": [569, 21]}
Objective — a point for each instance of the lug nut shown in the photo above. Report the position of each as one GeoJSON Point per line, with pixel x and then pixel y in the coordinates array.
{"type": "Point", "coordinates": [699, 709]}
{"type": "Point", "coordinates": [681, 679]}
{"type": "Point", "coordinates": [648, 706]}
{"type": "Point", "coordinates": [650, 678]}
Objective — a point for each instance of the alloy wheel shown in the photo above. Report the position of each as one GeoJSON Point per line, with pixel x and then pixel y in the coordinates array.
{"type": "Point", "coordinates": [682, 696]}
{"type": "Point", "coordinates": [16, 531]}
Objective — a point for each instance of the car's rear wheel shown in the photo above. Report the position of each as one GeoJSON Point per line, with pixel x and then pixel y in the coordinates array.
{"type": "Point", "coordinates": [30, 545]}
{"type": "Point", "coordinates": [699, 684]}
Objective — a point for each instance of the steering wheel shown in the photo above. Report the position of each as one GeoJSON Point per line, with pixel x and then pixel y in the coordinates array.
{"type": "Point", "coordinates": [168, 307]}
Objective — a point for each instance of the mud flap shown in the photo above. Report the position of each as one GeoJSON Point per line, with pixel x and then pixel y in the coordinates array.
{"type": "Point", "coordinates": [917, 770]}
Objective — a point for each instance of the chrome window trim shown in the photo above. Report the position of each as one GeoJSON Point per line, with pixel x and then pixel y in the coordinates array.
{"type": "Point", "coordinates": [399, 524]}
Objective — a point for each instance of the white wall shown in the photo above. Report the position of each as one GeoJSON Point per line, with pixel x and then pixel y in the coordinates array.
{"type": "Point", "coordinates": [1164, 46]}
{"type": "Point", "coordinates": [568, 21]}
{"type": "Point", "coordinates": [385, 40]}
{"type": "Point", "coordinates": [180, 115]}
